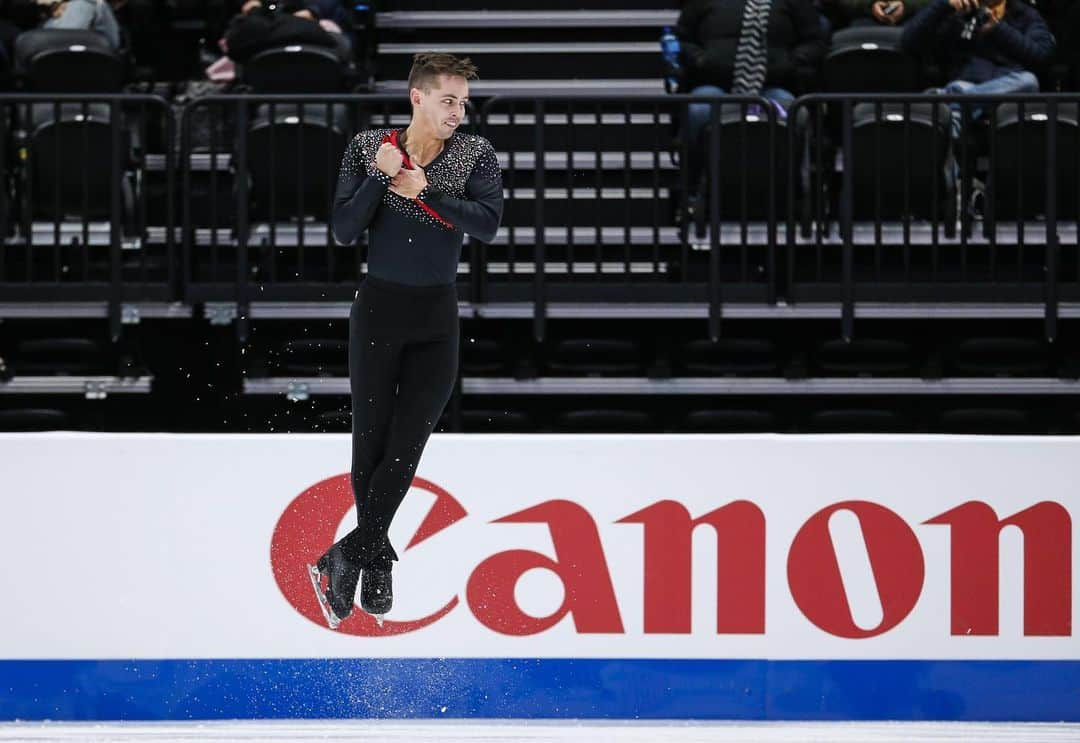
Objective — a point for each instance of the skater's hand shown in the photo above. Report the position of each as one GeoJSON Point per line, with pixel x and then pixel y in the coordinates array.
{"type": "Point", "coordinates": [409, 183]}
{"type": "Point", "coordinates": [388, 159]}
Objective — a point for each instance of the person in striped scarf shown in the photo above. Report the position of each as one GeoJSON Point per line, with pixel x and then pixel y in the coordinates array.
{"type": "Point", "coordinates": [771, 48]}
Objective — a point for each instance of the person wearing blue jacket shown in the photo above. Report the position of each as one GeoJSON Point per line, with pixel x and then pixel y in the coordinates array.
{"type": "Point", "coordinates": [986, 47]}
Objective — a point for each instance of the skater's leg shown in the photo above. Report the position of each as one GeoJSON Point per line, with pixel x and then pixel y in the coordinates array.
{"type": "Point", "coordinates": [428, 373]}
{"type": "Point", "coordinates": [374, 358]}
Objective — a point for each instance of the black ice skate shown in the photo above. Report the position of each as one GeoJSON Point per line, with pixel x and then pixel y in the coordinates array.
{"type": "Point", "coordinates": [376, 592]}
{"type": "Point", "coordinates": [336, 601]}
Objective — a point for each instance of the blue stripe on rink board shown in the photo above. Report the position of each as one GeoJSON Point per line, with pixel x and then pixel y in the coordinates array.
{"type": "Point", "coordinates": [540, 688]}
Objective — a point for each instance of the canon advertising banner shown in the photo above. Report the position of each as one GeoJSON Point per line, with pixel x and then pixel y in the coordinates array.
{"type": "Point", "coordinates": [163, 576]}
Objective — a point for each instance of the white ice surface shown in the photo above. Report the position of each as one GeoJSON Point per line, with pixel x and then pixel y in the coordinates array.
{"type": "Point", "coordinates": [387, 731]}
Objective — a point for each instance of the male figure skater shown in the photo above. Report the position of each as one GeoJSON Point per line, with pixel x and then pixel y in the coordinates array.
{"type": "Point", "coordinates": [417, 191]}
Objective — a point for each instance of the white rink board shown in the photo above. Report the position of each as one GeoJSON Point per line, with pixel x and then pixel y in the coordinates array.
{"type": "Point", "coordinates": [169, 538]}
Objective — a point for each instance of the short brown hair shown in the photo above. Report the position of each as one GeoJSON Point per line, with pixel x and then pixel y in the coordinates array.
{"type": "Point", "coordinates": [428, 66]}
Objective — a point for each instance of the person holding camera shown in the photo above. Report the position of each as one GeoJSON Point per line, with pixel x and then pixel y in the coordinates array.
{"type": "Point", "coordinates": [985, 47]}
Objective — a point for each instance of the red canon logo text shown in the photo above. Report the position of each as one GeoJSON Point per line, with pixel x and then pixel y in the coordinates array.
{"type": "Point", "coordinates": [896, 559]}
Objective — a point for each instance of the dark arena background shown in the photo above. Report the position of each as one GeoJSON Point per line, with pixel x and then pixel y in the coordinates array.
{"type": "Point", "coordinates": [840, 329]}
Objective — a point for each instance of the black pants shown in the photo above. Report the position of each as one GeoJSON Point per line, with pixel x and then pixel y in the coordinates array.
{"type": "Point", "coordinates": [403, 365]}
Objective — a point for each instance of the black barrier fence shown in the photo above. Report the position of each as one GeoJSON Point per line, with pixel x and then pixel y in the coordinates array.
{"type": "Point", "coordinates": [258, 180]}
{"type": "Point", "coordinates": [841, 200]}
{"type": "Point", "coordinates": [84, 214]}
{"type": "Point", "coordinates": [609, 200]}
{"type": "Point", "coordinates": [936, 198]}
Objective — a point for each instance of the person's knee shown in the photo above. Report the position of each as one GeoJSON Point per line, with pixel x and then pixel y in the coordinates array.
{"type": "Point", "coordinates": [707, 90]}
{"type": "Point", "coordinates": [704, 91]}
{"type": "Point", "coordinates": [959, 87]}
{"type": "Point", "coordinates": [1023, 82]}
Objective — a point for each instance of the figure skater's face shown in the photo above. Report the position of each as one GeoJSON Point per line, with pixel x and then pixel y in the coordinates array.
{"type": "Point", "coordinates": [441, 107]}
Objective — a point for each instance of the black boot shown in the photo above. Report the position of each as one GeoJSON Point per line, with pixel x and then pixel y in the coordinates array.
{"type": "Point", "coordinates": [377, 590]}
{"type": "Point", "coordinates": [341, 575]}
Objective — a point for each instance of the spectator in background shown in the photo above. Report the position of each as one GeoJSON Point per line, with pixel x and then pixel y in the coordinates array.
{"type": "Point", "coordinates": [331, 10]}
{"type": "Point", "coordinates": [986, 47]}
{"type": "Point", "coordinates": [771, 48]}
{"type": "Point", "coordinates": [261, 26]}
{"type": "Point", "coordinates": [877, 12]}
{"type": "Point", "coordinates": [93, 15]}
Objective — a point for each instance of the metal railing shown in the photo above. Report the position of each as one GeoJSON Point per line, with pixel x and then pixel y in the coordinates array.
{"type": "Point", "coordinates": [845, 202]}
{"type": "Point", "coordinates": [76, 197]}
{"type": "Point", "coordinates": [259, 173]}
{"type": "Point", "coordinates": [909, 201]}
{"type": "Point", "coordinates": [661, 241]}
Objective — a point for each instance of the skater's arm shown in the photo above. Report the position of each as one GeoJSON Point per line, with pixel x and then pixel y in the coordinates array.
{"type": "Point", "coordinates": [360, 190]}
{"type": "Point", "coordinates": [480, 212]}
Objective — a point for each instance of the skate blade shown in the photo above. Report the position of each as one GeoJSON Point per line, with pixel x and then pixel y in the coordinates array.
{"type": "Point", "coordinates": [379, 618]}
{"type": "Point", "coordinates": [316, 583]}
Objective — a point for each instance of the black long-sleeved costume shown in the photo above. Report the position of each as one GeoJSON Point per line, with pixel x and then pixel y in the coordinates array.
{"type": "Point", "coordinates": [418, 242]}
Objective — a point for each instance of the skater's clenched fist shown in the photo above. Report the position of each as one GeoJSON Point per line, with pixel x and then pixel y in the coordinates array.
{"type": "Point", "coordinates": [409, 183]}
{"type": "Point", "coordinates": [388, 159]}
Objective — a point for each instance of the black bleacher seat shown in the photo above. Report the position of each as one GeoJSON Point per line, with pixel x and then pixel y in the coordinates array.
{"type": "Point", "coordinates": [987, 420]}
{"type": "Point", "coordinates": [294, 160]}
{"type": "Point", "coordinates": [864, 357]}
{"type": "Point", "coordinates": [1019, 167]}
{"type": "Point", "coordinates": [310, 357]}
{"type": "Point", "coordinates": [855, 420]}
{"type": "Point", "coordinates": [69, 356]}
{"type": "Point", "coordinates": [483, 420]}
{"type": "Point", "coordinates": [68, 61]}
{"type": "Point", "coordinates": [295, 68]}
{"type": "Point", "coordinates": [596, 356]}
{"type": "Point", "coordinates": [605, 420]}
{"type": "Point", "coordinates": [35, 419]}
{"type": "Point", "coordinates": [868, 59]}
{"type": "Point", "coordinates": [1001, 357]}
{"type": "Point", "coordinates": [82, 136]}
{"type": "Point", "coordinates": [76, 62]}
{"type": "Point", "coordinates": [729, 420]}
{"type": "Point", "coordinates": [729, 357]}
{"type": "Point", "coordinates": [882, 152]}
{"type": "Point", "coordinates": [748, 144]}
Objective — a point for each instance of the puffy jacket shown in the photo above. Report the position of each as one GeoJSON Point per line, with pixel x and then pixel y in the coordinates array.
{"type": "Point", "coordinates": [1021, 40]}
{"type": "Point", "coordinates": [262, 29]}
{"type": "Point", "coordinates": [709, 34]}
